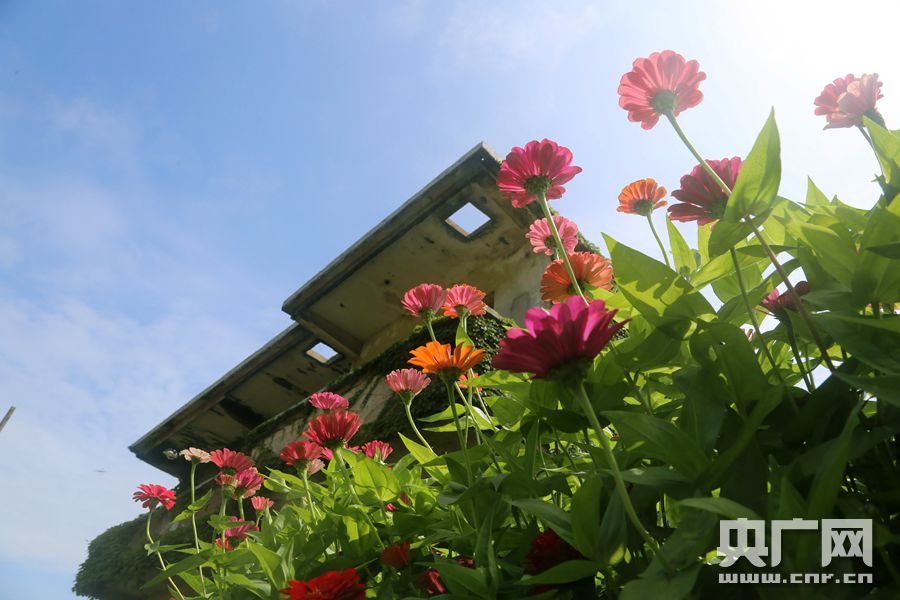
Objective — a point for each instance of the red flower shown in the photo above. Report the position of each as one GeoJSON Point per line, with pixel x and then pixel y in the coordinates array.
{"type": "Point", "coordinates": [661, 84]}
{"type": "Point", "coordinates": [261, 503]}
{"type": "Point", "coordinates": [571, 332]}
{"type": "Point", "coordinates": [152, 495]}
{"type": "Point", "coordinates": [408, 383]}
{"type": "Point", "coordinates": [463, 300]}
{"type": "Point", "coordinates": [591, 270]}
{"type": "Point", "coordinates": [300, 453]}
{"type": "Point", "coordinates": [702, 199]}
{"type": "Point", "coordinates": [539, 167]}
{"type": "Point", "coordinates": [641, 197]}
{"type": "Point", "coordinates": [329, 401]}
{"type": "Point", "coordinates": [424, 300]}
{"type": "Point", "coordinates": [238, 533]}
{"type": "Point", "coordinates": [230, 461]}
{"type": "Point", "coordinates": [377, 449]}
{"type": "Point", "coordinates": [430, 583]}
{"type": "Point", "coordinates": [247, 483]}
{"type": "Point", "coordinates": [396, 555]}
{"type": "Point", "coordinates": [333, 585]}
{"type": "Point", "coordinates": [547, 551]}
{"type": "Point", "coordinates": [778, 304]}
{"type": "Point", "coordinates": [845, 101]}
{"type": "Point", "coordinates": [333, 430]}
{"type": "Point", "coordinates": [541, 237]}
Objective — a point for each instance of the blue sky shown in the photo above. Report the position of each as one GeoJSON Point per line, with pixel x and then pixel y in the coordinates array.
{"type": "Point", "coordinates": [170, 172]}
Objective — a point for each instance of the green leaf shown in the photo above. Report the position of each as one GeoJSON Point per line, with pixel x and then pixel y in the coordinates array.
{"type": "Point", "coordinates": [757, 184]}
{"type": "Point", "coordinates": [887, 148]}
{"type": "Point", "coordinates": [193, 507]}
{"type": "Point", "coordinates": [586, 517]}
{"type": "Point", "coordinates": [886, 387]}
{"type": "Point", "coordinates": [827, 483]}
{"type": "Point", "coordinates": [422, 454]}
{"type": "Point", "coordinates": [673, 587]}
{"type": "Point", "coordinates": [377, 478]}
{"type": "Point", "coordinates": [571, 570]}
{"type": "Point", "coordinates": [726, 234]}
{"type": "Point", "coordinates": [655, 438]}
{"type": "Point", "coordinates": [269, 561]}
{"type": "Point", "coordinates": [554, 517]}
{"type": "Point", "coordinates": [720, 506]}
{"type": "Point", "coordinates": [873, 341]}
{"type": "Point", "coordinates": [192, 562]}
{"type": "Point", "coordinates": [832, 245]}
{"type": "Point", "coordinates": [657, 292]}
{"type": "Point", "coordinates": [458, 577]}
{"type": "Point", "coordinates": [685, 262]}
{"type": "Point", "coordinates": [877, 277]}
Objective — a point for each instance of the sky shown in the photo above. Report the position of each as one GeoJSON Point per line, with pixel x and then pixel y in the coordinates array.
{"type": "Point", "coordinates": [171, 171]}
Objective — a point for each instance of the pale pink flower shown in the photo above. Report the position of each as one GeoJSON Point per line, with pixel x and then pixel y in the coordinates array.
{"type": "Point", "coordinates": [541, 237]}
{"type": "Point", "coordinates": [195, 455]}
{"type": "Point", "coordinates": [408, 383]}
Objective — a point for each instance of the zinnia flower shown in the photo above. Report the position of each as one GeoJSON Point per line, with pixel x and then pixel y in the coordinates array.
{"type": "Point", "coordinates": [230, 461]}
{"type": "Point", "coordinates": [329, 401]}
{"type": "Point", "coordinates": [572, 332]}
{"type": "Point", "coordinates": [152, 495]}
{"type": "Point", "coordinates": [547, 551]}
{"type": "Point", "coordinates": [424, 300]}
{"type": "Point", "coordinates": [663, 83]}
{"type": "Point", "coordinates": [538, 168]}
{"type": "Point", "coordinates": [778, 303]}
{"type": "Point", "coordinates": [261, 503]}
{"type": "Point", "coordinates": [845, 101]}
{"type": "Point", "coordinates": [298, 454]}
{"type": "Point", "coordinates": [701, 198]}
{"type": "Point", "coordinates": [463, 300]}
{"type": "Point", "coordinates": [247, 483]}
{"type": "Point", "coordinates": [592, 271]}
{"type": "Point", "coordinates": [333, 430]}
{"type": "Point", "coordinates": [541, 237]}
{"type": "Point", "coordinates": [314, 466]}
{"type": "Point", "coordinates": [377, 449]}
{"type": "Point", "coordinates": [430, 582]}
{"type": "Point", "coordinates": [408, 383]}
{"type": "Point", "coordinates": [435, 357]}
{"type": "Point", "coordinates": [641, 197]}
{"type": "Point", "coordinates": [195, 455]}
{"type": "Point", "coordinates": [238, 533]}
{"type": "Point", "coordinates": [333, 585]}
{"type": "Point", "coordinates": [396, 555]}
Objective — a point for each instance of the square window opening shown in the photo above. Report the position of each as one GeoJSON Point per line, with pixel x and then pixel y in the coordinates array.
{"type": "Point", "coordinates": [468, 219]}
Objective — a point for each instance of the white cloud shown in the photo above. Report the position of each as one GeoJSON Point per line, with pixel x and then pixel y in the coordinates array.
{"type": "Point", "coordinates": [94, 125]}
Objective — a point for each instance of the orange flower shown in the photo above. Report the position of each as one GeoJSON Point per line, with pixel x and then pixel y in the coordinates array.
{"type": "Point", "coordinates": [641, 197]}
{"type": "Point", "coordinates": [591, 270]}
{"type": "Point", "coordinates": [435, 357]}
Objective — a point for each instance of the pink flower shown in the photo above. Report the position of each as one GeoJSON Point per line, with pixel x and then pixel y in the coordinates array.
{"type": "Point", "coordinates": [661, 84]}
{"type": "Point", "coordinates": [195, 455]}
{"type": "Point", "coordinates": [377, 449]}
{"type": "Point", "coordinates": [538, 168]}
{"type": "Point", "coordinates": [329, 401]}
{"type": "Point", "coordinates": [845, 101]}
{"type": "Point", "coordinates": [314, 466]}
{"type": "Point", "coordinates": [152, 495]}
{"type": "Point", "coordinates": [230, 461]}
{"type": "Point", "coordinates": [333, 430]}
{"type": "Point", "coordinates": [424, 300]}
{"type": "Point", "coordinates": [408, 383]}
{"type": "Point", "coordinates": [261, 503]}
{"type": "Point", "coordinates": [300, 453]}
{"type": "Point", "coordinates": [238, 533]}
{"type": "Point", "coordinates": [573, 332]}
{"type": "Point", "coordinates": [247, 483]}
{"type": "Point", "coordinates": [701, 198]}
{"type": "Point", "coordinates": [464, 300]}
{"type": "Point", "coordinates": [542, 238]}
{"type": "Point", "coordinates": [778, 303]}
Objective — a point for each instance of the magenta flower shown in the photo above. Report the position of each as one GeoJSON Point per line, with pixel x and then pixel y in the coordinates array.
{"type": "Point", "coordinates": [778, 303]}
{"type": "Point", "coordinates": [701, 198]}
{"type": "Point", "coordinates": [663, 83]}
{"type": "Point", "coordinates": [333, 430]}
{"type": "Point", "coordinates": [247, 483]}
{"type": "Point", "coordinates": [571, 332]}
{"type": "Point", "coordinates": [424, 300]}
{"type": "Point", "coordinates": [541, 237]}
{"type": "Point", "coordinates": [300, 453]}
{"type": "Point", "coordinates": [261, 503]}
{"type": "Point", "coordinates": [845, 101]}
{"type": "Point", "coordinates": [151, 495]}
{"type": "Point", "coordinates": [464, 300]}
{"type": "Point", "coordinates": [539, 167]}
{"type": "Point", "coordinates": [377, 450]}
{"type": "Point", "coordinates": [408, 383]}
{"type": "Point", "coordinates": [329, 401]}
{"type": "Point", "coordinates": [230, 461]}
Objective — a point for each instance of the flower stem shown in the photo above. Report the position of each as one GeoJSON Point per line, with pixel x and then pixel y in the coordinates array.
{"type": "Point", "coordinates": [194, 464]}
{"type": "Point", "coordinates": [459, 433]}
{"type": "Point", "coordinates": [614, 468]}
{"type": "Point", "coordinates": [339, 454]}
{"type": "Point", "coordinates": [162, 563]}
{"type": "Point", "coordinates": [309, 500]}
{"type": "Point", "coordinates": [709, 170]}
{"type": "Point", "coordinates": [430, 329]}
{"type": "Point", "coordinates": [542, 200]}
{"type": "Point", "coordinates": [412, 423]}
{"type": "Point", "coordinates": [658, 241]}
